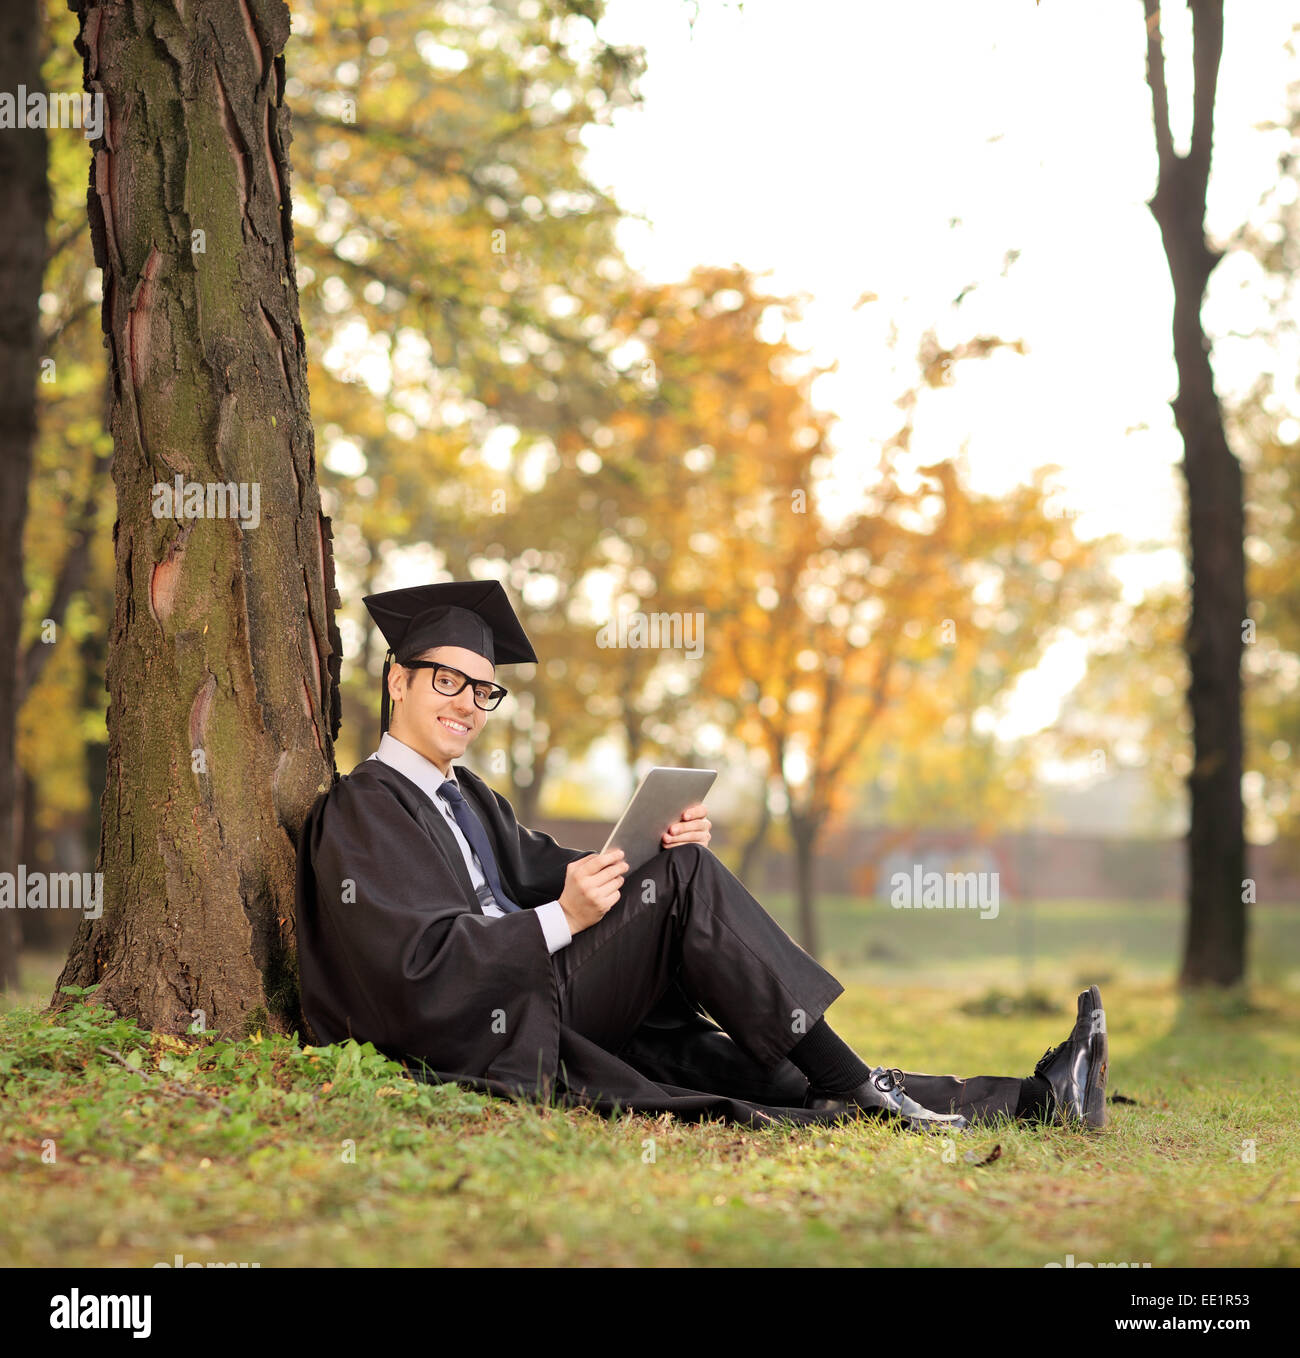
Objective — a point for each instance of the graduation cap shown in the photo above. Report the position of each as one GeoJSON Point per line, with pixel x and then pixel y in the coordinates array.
{"type": "Point", "coordinates": [474, 614]}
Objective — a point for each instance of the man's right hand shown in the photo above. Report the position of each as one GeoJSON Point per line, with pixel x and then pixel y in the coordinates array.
{"type": "Point", "coordinates": [591, 886]}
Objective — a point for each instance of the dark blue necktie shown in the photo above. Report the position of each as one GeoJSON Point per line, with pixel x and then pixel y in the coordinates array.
{"type": "Point", "coordinates": [478, 841]}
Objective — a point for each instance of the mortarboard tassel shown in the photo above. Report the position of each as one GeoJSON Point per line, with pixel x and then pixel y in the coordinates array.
{"type": "Point", "coordinates": [383, 713]}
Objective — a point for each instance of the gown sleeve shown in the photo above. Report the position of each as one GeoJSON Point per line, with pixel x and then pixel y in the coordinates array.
{"type": "Point", "coordinates": [390, 951]}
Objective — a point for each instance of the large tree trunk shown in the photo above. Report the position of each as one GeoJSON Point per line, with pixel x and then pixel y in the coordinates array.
{"type": "Point", "coordinates": [1214, 948]}
{"type": "Point", "coordinates": [223, 655]}
{"type": "Point", "coordinates": [22, 268]}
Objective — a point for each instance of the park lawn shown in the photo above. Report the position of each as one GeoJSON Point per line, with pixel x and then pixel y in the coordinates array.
{"type": "Point", "coordinates": [1093, 941]}
{"type": "Point", "coordinates": [335, 1157]}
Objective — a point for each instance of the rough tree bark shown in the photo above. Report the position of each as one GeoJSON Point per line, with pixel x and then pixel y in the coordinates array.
{"type": "Point", "coordinates": [23, 154]}
{"type": "Point", "coordinates": [223, 657]}
{"type": "Point", "coordinates": [1214, 942]}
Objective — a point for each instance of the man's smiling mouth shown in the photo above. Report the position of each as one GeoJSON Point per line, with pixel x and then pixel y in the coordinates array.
{"type": "Point", "coordinates": [452, 724]}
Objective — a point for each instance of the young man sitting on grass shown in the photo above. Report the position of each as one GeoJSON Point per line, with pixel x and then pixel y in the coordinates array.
{"type": "Point", "coordinates": [434, 925]}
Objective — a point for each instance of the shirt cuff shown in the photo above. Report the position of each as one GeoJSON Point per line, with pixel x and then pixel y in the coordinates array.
{"type": "Point", "coordinates": [554, 926]}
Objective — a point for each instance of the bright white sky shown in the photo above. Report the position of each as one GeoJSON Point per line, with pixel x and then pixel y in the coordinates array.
{"type": "Point", "coordinates": [833, 142]}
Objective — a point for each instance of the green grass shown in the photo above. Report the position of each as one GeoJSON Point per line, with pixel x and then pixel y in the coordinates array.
{"type": "Point", "coordinates": [334, 1157]}
{"type": "Point", "coordinates": [1101, 940]}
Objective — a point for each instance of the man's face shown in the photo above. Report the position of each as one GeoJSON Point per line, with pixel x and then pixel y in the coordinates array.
{"type": "Point", "coordinates": [438, 726]}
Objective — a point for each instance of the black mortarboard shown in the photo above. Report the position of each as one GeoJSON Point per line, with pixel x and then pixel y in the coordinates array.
{"type": "Point", "coordinates": [475, 614]}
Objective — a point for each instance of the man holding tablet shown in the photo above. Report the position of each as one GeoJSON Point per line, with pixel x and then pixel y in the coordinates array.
{"type": "Point", "coordinates": [431, 923]}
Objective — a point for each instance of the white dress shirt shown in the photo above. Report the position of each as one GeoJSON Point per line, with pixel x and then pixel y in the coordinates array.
{"type": "Point", "coordinates": [429, 778]}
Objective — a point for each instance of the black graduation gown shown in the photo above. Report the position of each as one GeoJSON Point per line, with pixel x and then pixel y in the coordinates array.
{"type": "Point", "coordinates": [394, 949]}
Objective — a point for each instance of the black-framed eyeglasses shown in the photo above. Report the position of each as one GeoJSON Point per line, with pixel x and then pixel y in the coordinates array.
{"type": "Point", "coordinates": [449, 681]}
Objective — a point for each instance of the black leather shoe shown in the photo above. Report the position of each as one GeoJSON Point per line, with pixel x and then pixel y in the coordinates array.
{"type": "Point", "coordinates": [881, 1095]}
{"type": "Point", "coordinates": [1076, 1069]}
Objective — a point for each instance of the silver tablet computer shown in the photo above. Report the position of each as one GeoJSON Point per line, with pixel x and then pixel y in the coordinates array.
{"type": "Point", "coordinates": [660, 798]}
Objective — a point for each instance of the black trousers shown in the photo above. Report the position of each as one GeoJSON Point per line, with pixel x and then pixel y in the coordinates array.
{"type": "Point", "coordinates": [684, 918]}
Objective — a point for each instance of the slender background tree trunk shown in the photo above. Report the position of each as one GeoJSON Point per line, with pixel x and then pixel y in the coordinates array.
{"type": "Point", "coordinates": [1214, 944]}
{"type": "Point", "coordinates": [223, 656]}
{"type": "Point", "coordinates": [23, 153]}
{"type": "Point", "coordinates": [804, 834]}
{"type": "Point", "coordinates": [752, 855]}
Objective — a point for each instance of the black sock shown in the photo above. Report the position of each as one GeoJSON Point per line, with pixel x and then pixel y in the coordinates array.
{"type": "Point", "coordinates": [830, 1064]}
{"type": "Point", "coordinates": [1036, 1103]}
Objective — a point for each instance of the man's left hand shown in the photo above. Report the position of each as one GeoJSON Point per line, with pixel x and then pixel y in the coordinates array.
{"type": "Point", "coordinates": [693, 828]}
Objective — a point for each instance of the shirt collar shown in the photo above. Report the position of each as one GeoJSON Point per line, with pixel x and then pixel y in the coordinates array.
{"type": "Point", "coordinates": [426, 776]}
